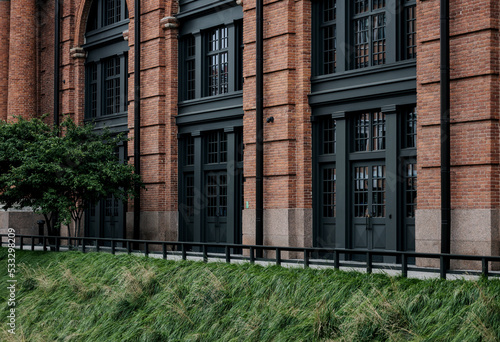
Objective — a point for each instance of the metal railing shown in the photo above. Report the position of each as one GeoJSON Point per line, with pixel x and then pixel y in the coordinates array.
{"type": "Point", "coordinates": [336, 257]}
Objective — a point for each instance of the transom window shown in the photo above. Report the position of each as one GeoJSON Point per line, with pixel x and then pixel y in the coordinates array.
{"type": "Point", "coordinates": [410, 127]}
{"type": "Point", "coordinates": [216, 143]}
{"type": "Point", "coordinates": [369, 131]}
{"type": "Point", "coordinates": [330, 136]}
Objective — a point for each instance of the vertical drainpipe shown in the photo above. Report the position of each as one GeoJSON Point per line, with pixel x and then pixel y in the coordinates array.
{"type": "Point", "coordinates": [445, 127]}
{"type": "Point", "coordinates": [259, 114]}
{"type": "Point", "coordinates": [57, 46]}
{"type": "Point", "coordinates": [137, 114]}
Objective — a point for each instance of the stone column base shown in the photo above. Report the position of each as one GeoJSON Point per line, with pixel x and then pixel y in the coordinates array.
{"type": "Point", "coordinates": [282, 227]}
{"type": "Point", "coordinates": [473, 232]}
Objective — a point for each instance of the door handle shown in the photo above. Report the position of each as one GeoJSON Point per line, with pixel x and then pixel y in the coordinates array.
{"type": "Point", "coordinates": [368, 221]}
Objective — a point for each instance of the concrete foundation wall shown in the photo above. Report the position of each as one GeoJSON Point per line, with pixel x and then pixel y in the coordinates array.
{"type": "Point", "coordinates": [23, 221]}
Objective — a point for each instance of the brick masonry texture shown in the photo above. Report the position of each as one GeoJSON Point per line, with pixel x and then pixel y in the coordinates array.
{"type": "Point", "coordinates": [26, 89]}
{"type": "Point", "coordinates": [474, 59]}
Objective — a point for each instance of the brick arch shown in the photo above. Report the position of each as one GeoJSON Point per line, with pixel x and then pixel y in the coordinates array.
{"type": "Point", "coordinates": [81, 18]}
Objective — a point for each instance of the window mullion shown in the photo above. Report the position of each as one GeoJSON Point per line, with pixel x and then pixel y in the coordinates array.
{"type": "Point", "coordinates": [342, 36]}
{"type": "Point", "coordinates": [391, 30]}
{"type": "Point", "coordinates": [231, 57]}
{"type": "Point", "coordinates": [100, 80]}
{"type": "Point", "coordinates": [123, 84]}
{"type": "Point", "coordinates": [199, 79]}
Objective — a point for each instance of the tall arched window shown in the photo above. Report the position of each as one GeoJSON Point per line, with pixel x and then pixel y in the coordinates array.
{"type": "Point", "coordinates": [106, 65]}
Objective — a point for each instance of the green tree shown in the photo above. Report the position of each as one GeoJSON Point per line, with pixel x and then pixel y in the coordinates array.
{"type": "Point", "coordinates": [59, 171]}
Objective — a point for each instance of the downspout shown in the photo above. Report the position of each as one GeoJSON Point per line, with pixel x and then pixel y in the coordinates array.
{"type": "Point", "coordinates": [259, 115]}
{"type": "Point", "coordinates": [137, 115]}
{"type": "Point", "coordinates": [445, 127]}
{"type": "Point", "coordinates": [57, 49]}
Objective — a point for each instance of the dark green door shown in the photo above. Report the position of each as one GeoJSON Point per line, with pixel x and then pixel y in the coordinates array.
{"type": "Point", "coordinates": [216, 209]}
{"type": "Point", "coordinates": [369, 205]}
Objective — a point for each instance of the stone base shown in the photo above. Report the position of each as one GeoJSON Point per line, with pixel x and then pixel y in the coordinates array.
{"type": "Point", "coordinates": [155, 225]}
{"type": "Point", "coordinates": [282, 227]}
{"type": "Point", "coordinates": [473, 232]}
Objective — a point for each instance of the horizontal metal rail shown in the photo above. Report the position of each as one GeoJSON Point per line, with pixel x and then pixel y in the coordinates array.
{"type": "Point", "coordinates": [54, 243]}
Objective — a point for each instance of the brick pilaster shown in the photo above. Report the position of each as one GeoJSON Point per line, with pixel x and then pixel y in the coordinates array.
{"type": "Point", "coordinates": [4, 56]}
{"type": "Point", "coordinates": [22, 59]}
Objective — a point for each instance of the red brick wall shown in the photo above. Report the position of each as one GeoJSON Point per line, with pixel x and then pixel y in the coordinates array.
{"type": "Point", "coordinates": [22, 100]}
{"type": "Point", "coordinates": [45, 59]}
{"type": "Point", "coordinates": [287, 141]}
{"type": "Point", "coordinates": [474, 45]}
{"type": "Point", "coordinates": [4, 57]}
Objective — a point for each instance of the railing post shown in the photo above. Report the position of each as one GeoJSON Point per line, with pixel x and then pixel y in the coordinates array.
{"type": "Point", "coordinates": [32, 244]}
{"type": "Point", "coordinates": [368, 262]}
{"type": "Point", "coordinates": [183, 251]}
{"type": "Point", "coordinates": [205, 254]}
{"type": "Point", "coordinates": [278, 256]}
{"type": "Point", "coordinates": [306, 258]}
{"type": "Point", "coordinates": [57, 243]}
{"type": "Point", "coordinates": [113, 247]}
{"type": "Point", "coordinates": [83, 245]}
{"type": "Point", "coordinates": [484, 264]}
{"type": "Point", "coordinates": [129, 247]}
{"type": "Point", "coordinates": [21, 243]}
{"type": "Point", "coordinates": [164, 250]}
{"type": "Point", "coordinates": [146, 249]}
{"type": "Point", "coordinates": [252, 255]}
{"type": "Point", "coordinates": [44, 241]}
{"type": "Point", "coordinates": [228, 255]}
{"type": "Point", "coordinates": [442, 266]}
{"type": "Point", "coordinates": [337, 260]}
{"type": "Point", "coordinates": [404, 266]}
{"type": "Point", "coordinates": [97, 245]}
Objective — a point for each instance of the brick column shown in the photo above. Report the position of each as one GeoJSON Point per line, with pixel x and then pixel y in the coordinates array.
{"type": "Point", "coordinates": [22, 59]}
{"type": "Point", "coordinates": [287, 139]}
{"type": "Point", "coordinates": [4, 56]}
{"type": "Point", "coordinates": [475, 150]}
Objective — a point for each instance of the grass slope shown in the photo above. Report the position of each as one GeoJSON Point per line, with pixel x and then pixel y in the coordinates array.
{"type": "Point", "coordinates": [99, 297]}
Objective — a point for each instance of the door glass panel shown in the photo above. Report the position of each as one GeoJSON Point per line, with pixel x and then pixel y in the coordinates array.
{"type": "Point", "coordinates": [223, 195]}
{"type": "Point", "coordinates": [361, 191]}
{"type": "Point", "coordinates": [378, 191]}
{"type": "Point", "coordinates": [329, 180]}
{"type": "Point", "coordinates": [190, 195]}
{"type": "Point", "coordinates": [410, 190]}
{"type": "Point", "coordinates": [212, 195]}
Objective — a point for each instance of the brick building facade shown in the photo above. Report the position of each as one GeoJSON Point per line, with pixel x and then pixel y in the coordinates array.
{"type": "Point", "coordinates": [343, 83]}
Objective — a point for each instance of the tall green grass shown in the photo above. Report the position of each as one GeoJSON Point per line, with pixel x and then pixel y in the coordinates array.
{"type": "Point", "coordinates": [99, 297]}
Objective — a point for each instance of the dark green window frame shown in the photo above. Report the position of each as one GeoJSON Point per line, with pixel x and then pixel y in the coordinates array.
{"type": "Point", "coordinates": [371, 32]}
{"type": "Point", "coordinates": [105, 13]}
{"type": "Point", "coordinates": [211, 62]}
{"type": "Point", "coordinates": [106, 86]}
